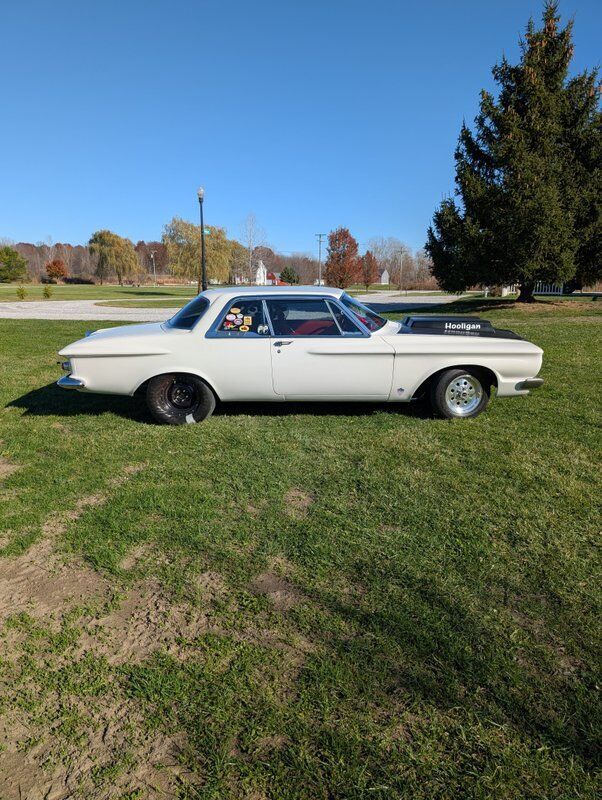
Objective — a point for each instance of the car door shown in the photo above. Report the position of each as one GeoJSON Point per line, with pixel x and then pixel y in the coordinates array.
{"type": "Point", "coordinates": [237, 356]}
{"type": "Point", "coordinates": [319, 352]}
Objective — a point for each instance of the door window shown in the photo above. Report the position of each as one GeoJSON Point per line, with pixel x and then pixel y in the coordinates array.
{"type": "Point", "coordinates": [302, 318]}
{"type": "Point", "coordinates": [243, 317]}
{"type": "Point", "coordinates": [347, 326]}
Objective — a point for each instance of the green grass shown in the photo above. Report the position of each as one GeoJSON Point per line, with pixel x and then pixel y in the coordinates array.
{"type": "Point", "coordinates": [440, 637]}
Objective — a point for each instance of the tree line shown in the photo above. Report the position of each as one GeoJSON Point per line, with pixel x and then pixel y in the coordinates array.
{"type": "Point", "coordinates": [110, 257]}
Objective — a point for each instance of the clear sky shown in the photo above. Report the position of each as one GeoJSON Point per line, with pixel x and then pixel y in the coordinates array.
{"type": "Point", "coordinates": [312, 113]}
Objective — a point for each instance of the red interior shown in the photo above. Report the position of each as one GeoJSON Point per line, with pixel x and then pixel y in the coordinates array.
{"type": "Point", "coordinates": [312, 327]}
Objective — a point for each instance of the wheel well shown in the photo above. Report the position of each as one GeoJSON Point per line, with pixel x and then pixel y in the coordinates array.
{"type": "Point", "coordinates": [487, 376]}
{"type": "Point", "coordinates": [141, 390]}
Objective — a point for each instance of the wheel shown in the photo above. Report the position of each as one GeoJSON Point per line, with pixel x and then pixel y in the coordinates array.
{"type": "Point", "coordinates": [179, 398]}
{"type": "Point", "coordinates": [458, 393]}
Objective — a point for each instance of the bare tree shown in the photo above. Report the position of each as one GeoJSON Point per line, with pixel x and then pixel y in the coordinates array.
{"type": "Point", "coordinates": [252, 237]}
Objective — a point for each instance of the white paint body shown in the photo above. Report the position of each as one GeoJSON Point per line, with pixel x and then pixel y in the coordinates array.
{"type": "Point", "coordinates": [381, 366]}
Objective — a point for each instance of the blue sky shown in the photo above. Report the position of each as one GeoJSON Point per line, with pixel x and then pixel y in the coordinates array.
{"type": "Point", "coordinates": [311, 114]}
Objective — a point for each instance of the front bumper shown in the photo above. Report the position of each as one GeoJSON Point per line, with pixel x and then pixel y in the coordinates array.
{"type": "Point", "coordinates": [68, 382]}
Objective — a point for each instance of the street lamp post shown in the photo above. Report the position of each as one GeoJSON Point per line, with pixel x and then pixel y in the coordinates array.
{"type": "Point", "coordinates": [152, 257]}
{"type": "Point", "coordinates": [202, 279]}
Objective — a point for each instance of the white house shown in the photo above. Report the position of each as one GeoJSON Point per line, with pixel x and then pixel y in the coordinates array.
{"type": "Point", "coordinates": [261, 274]}
{"type": "Point", "coordinates": [385, 278]}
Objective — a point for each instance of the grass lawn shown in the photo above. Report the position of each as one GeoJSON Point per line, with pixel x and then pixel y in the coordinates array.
{"type": "Point", "coordinates": [301, 602]}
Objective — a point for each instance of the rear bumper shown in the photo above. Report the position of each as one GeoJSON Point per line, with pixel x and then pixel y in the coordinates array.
{"type": "Point", "coordinates": [530, 383]}
{"type": "Point", "coordinates": [68, 382]}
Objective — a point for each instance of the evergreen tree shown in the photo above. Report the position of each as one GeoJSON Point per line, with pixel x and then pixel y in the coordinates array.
{"type": "Point", "coordinates": [288, 275]}
{"type": "Point", "coordinates": [13, 266]}
{"type": "Point", "coordinates": [528, 178]}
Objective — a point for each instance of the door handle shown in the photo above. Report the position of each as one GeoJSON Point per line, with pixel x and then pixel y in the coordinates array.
{"type": "Point", "coordinates": [280, 343]}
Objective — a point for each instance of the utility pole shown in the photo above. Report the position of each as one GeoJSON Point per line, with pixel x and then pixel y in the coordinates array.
{"type": "Point", "coordinates": [152, 257]}
{"type": "Point", "coordinates": [320, 236]}
{"type": "Point", "coordinates": [401, 271]}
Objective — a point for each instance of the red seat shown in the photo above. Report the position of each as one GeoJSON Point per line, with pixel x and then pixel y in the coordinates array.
{"type": "Point", "coordinates": [315, 327]}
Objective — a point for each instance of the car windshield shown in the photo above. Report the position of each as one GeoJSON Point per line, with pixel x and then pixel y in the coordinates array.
{"type": "Point", "coordinates": [187, 317]}
{"type": "Point", "coordinates": [367, 317]}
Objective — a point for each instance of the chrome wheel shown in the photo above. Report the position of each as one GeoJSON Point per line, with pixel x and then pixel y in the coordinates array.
{"type": "Point", "coordinates": [463, 395]}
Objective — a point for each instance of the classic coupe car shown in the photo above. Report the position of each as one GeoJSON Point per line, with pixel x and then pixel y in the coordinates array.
{"type": "Point", "coordinates": [300, 343]}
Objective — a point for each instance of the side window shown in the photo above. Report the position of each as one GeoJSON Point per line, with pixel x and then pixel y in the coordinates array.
{"type": "Point", "coordinates": [302, 318]}
{"type": "Point", "coordinates": [244, 316]}
{"type": "Point", "coordinates": [345, 324]}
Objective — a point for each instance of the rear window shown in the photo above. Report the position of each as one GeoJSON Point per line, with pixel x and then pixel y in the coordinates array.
{"type": "Point", "coordinates": [188, 316]}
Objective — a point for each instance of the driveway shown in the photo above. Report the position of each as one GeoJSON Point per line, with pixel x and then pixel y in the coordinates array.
{"type": "Point", "coordinates": [89, 309]}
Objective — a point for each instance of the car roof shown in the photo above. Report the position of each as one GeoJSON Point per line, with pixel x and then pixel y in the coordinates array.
{"type": "Point", "coordinates": [237, 291]}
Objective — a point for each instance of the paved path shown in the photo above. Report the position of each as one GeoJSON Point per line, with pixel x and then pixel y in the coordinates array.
{"type": "Point", "coordinates": [89, 309]}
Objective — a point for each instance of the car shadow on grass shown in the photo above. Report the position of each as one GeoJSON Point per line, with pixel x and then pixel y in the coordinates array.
{"type": "Point", "coordinates": [51, 400]}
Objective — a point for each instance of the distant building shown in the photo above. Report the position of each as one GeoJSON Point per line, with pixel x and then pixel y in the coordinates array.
{"type": "Point", "coordinates": [385, 278]}
{"type": "Point", "coordinates": [261, 274]}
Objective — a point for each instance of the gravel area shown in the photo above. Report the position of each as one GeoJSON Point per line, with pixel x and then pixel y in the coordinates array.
{"type": "Point", "coordinates": [88, 309]}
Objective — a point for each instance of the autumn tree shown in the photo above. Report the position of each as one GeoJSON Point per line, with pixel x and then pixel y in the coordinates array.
{"type": "Point", "coordinates": [342, 266]}
{"type": "Point", "coordinates": [368, 269]}
{"type": "Point", "coordinates": [56, 269]}
{"type": "Point", "coordinates": [115, 255]}
{"type": "Point", "coordinates": [529, 177]}
{"type": "Point", "coordinates": [12, 265]}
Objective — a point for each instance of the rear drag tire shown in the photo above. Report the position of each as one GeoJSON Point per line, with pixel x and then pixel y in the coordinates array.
{"type": "Point", "coordinates": [179, 399]}
{"type": "Point", "coordinates": [459, 394]}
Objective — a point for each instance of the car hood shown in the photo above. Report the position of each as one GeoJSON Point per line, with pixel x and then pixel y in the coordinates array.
{"type": "Point", "coordinates": [146, 339]}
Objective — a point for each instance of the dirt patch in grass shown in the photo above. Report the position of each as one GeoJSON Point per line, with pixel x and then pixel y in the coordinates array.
{"type": "Point", "coordinates": [40, 581]}
{"type": "Point", "coordinates": [115, 756]}
{"type": "Point", "coordinates": [7, 467]}
{"type": "Point", "coordinates": [282, 594]}
{"type": "Point", "coordinates": [135, 556]}
{"type": "Point", "coordinates": [297, 503]}
{"type": "Point", "coordinates": [143, 623]}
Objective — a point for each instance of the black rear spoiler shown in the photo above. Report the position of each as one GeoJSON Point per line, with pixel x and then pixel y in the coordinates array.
{"type": "Point", "coordinates": [454, 326]}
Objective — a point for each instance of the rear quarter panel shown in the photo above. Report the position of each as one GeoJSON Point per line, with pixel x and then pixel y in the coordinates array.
{"type": "Point", "coordinates": [417, 357]}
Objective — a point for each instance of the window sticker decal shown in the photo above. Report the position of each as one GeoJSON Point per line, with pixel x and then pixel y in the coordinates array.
{"type": "Point", "coordinates": [230, 317]}
{"type": "Point", "coordinates": [235, 310]}
{"type": "Point", "coordinates": [247, 320]}
{"type": "Point", "coordinates": [238, 321]}
{"type": "Point", "coordinates": [243, 328]}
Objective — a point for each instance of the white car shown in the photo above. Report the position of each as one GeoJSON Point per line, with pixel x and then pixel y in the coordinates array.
{"type": "Point", "coordinates": [300, 343]}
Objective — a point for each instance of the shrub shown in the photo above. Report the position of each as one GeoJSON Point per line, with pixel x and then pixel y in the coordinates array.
{"type": "Point", "coordinates": [80, 279]}
{"type": "Point", "coordinates": [52, 281]}
{"type": "Point", "coordinates": [47, 293]}
{"type": "Point", "coordinates": [21, 292]}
